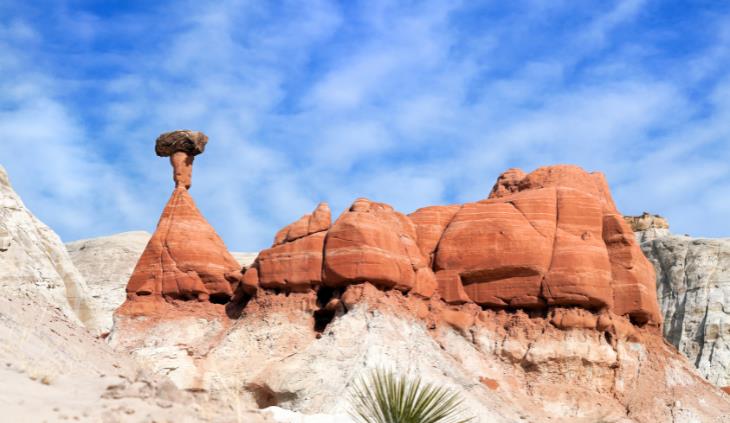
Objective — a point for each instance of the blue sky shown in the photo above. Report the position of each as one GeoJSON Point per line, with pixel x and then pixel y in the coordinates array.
{"type": "Point", "coordinates": [409, 103]}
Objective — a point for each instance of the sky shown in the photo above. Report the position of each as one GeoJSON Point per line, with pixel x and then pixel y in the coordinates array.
{"type": "Point", "coordinates": [408, 103]}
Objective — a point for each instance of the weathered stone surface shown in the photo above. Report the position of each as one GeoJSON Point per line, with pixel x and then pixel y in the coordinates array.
{"type": "Point", "coordinates": [646, 221]}
{"type": "Point", "coordinates": [319, 220]}
{"type": "Point", "coordinates": [372, 242]}
{"type": "Point", "coordinates": [497, 253]}
{"type": "Point", "coordinates": [34, 261]}
{"type": "Point", "coordinates": [507, 183]}
{"type": "Point", "coordinates": [106, 263]}
{"type": "Point", "coordinates": [693, 287]}
{"type": "Point", "coordinates": [294, 265]}
{"type": "Point", "coordinates": [549, 238]}
{"type": "Point", "coordinates": [185, 259]}
{"type": "Point", "coordinates": [430, 225]}
{"type": "Point", "coordinates": [580, 271]}
{"type": "Point", "coordinates": [183, 140]}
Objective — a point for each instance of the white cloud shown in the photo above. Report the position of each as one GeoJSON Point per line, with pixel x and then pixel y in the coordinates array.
{"type": "Point", "coordinates": [321, 101]}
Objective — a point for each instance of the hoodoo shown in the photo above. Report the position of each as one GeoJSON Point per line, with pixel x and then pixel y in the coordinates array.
{"type": "Point", "coordinates": [185, 259]}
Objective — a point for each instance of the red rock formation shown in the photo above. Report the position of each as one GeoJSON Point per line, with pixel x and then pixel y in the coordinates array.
{"type": "Point", "coordinates": [372, 242]}
{"type": "Point", "coordinates": [320, 220]}
{"type": "Point", "coordinates": [295, 266]}
{"type": "Point", "coordinates": [551, 238]}
{"type": "Point", "coordinates": [430, 225]}
{"type": "Point", "coordinates": [185, 259]}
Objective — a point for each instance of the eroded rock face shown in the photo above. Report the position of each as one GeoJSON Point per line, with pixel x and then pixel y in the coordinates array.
{"type": "Point", "coordinates": [549, 238]}
{"type": "Point", "coordinates": [507, 367]}
{"type": "Point", "coordinates": [319, 220]}
{"type": "Point", "coordinates": [34, 261]}
{"type": "Point", "coordinates": [184, 260]}
{"type": "Point", "coordinates": [546, 239]}
{"type": "Point", "coordinates": [372, 242]}
{"type": "Point", "coordinates": [106, 263]}
{"type": "Point", "coordinates": [693, 287]}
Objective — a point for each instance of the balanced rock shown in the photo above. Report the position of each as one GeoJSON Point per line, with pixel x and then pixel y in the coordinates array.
{"type": "Point", "coordinates": [187, 141]}
{"type": "Point", "coordinates": [181, 146]}
{"type": "Point", "coordinates": [185, 259]}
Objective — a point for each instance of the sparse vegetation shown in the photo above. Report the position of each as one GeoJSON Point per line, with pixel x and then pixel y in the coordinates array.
{"type": "Point", "coordinates": [384, 397]}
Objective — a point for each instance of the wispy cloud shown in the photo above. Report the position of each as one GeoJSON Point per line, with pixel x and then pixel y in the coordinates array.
{"type": "Point", "coordinates": [412, 104]}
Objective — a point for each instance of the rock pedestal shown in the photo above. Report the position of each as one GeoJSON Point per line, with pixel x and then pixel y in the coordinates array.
{"type": "Point", "coordinates": [185, 259]}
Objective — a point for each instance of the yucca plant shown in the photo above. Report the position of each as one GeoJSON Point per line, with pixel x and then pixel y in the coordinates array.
{"type": "Point", "coordinates": [384, 397]}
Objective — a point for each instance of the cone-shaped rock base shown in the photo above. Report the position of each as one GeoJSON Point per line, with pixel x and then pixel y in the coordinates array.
{"type": "Point", "coordinates": [184, 260]}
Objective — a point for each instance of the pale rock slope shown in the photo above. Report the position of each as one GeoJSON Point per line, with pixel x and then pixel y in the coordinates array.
{"type": "Point", "coordinates": [106, 263]}
{"type": "Point", "coordinates": [693, 288]}
{"type": "Point", "coordinates": [33, 260]}
{"type": "Point", "coordinates": [508, 367]}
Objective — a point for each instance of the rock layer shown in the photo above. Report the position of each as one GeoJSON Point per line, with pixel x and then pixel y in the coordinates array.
{"type": "Point", "coordinates": [572, 365]}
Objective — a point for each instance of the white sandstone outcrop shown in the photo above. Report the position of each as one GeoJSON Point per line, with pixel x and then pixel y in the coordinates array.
{"type": "Point", "coordinates": [33, 260]}
{"type": "Point", "coordinates": [507, 367]}
{"type": "Point", "coordinates": [693, 288]}
{"type": "Point", "coordinates": [106, 264]}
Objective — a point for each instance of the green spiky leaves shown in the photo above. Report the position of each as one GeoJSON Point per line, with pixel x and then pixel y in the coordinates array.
{"type": "Point", "coordinates": [384, 397]}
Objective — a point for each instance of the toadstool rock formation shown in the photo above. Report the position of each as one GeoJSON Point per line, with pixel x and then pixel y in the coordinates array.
{"type": "Point", "coordinates": [185, 259]}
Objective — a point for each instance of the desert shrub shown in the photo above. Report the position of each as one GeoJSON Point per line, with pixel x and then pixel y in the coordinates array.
{"type": "Point", "coordinates": [384, 397]}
